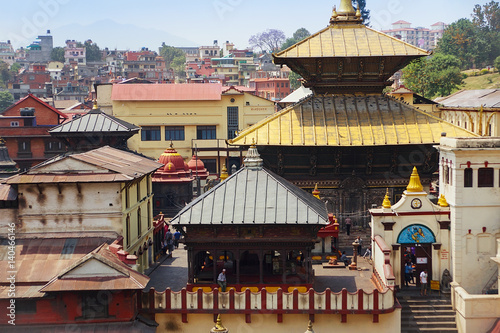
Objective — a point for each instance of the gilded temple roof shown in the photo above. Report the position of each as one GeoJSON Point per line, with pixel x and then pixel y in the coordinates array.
{"type": "Point", "coordinates": [350, 40]}
{"type": "Point", "coordinates": [341, 120]}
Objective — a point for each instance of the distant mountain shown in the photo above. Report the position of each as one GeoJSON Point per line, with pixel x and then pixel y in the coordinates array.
{"type": "Point", "coordinates": [110, 34]}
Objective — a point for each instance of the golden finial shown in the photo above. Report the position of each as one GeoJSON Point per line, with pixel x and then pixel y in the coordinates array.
{"type": "Point", "coordinates": [358, 12]}
{"type": "Point", "coordinates": [95, 105]}
{"type": "Point", "coordinates": [442, 201]}
{"type": "Point", "coordinates": [415, 185]}
{"type": "Point", "coordinates": [315, 192]}
{"type": "Point", "coordinates": [224, 174]}
{"type": "Point", "coordinates": [2, 141]}
{"type": "Point", "coordinates": [309, 327]}
{"type": "Point", "coordinates": [334, 14]}
{"type": "Point", "coordinates": [386, 203]}
{"type": "Point", "coordinates": [346, 7]}
{"type": "Point", "coordinates": [218, 326]}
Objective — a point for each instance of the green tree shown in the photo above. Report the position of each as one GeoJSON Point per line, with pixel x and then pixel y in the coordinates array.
{"type": "Point", "coordinates": [5, 74]}
{"type": "Point", "coordinates": [6, 99]}
{"type": "Point", "coordinates": [463, 40]}
{"type": "Point", "coordinates": [294, 80]}
{"type": "Point", "coordinates": [438, 75]}
{"type": "Point", "coordinates": [57, 54]}
{"type": "Point", "coordinates": [298, 35]}
{"type": "Point", "coordinates": [92, 51]}
{"type": "Point", "coordinates": [174, 58]}
{"type": "Point", "coordinates": [497, 63]}
{"type": "Point", "coordinates": [487, 21]}
{"type": "Point", "coordinates": [365, 13]}
{"type": "Point", "coordinates": [15, 68]}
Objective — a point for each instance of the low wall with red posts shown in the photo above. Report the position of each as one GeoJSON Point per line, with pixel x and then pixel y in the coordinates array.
{"type": "Point", "coordinates": [277, 303]}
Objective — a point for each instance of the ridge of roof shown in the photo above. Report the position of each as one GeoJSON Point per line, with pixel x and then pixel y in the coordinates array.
{"type": "Point", "coordinates": [39, 101]}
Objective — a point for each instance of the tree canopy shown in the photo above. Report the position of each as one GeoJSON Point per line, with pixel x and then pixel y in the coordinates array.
{"type": "Point", "coordinates": [438, 75]}
{"type": "Point", "coordinates": [297, 36]}
{"type": "Point", "coordinates": [57, 54]}
{"type": "Point", "coordinates": [92, 51]}
{"type": "Point", "coordinates": [269, 40]}
{"type": "Point", "coordinates": [6, 99]}
{"type": "Point", "coordinates": [174, 58]}
{"type": "Point", "coordinates": [5, 74]}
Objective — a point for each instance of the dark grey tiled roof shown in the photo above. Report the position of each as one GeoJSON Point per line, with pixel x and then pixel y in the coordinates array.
{"type": "Point", "coordinates": [254, 196]}
{"type": "Point", "coordinates": [95, 121]}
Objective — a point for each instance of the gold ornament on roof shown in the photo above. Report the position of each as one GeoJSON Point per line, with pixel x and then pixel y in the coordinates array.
{"type": "Point", "coordinates": [386, 203]}
{"type": "Point", "coordinates": [346, 7]}
{"type": "Point", "coordinates": [95, 107]}
{"type": "Point", "coordinates": [223, 173]}
{"type": "Point", "coordinates": [358, 12]}
{"type": "Point", "coordinates": [315, 192]}
{"type": "Point", "coordinates": [218, 326]}
{"type": "Point", "coordinates": [442, 201]}
{"type": "Point", "coordinates": [415, 185]}
{"type": "Point", "coordinates": [309, 327]}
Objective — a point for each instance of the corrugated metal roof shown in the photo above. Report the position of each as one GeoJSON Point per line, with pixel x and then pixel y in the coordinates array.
{"type": "Point", "coordinates": [252, 196]}
{"type": "Point", "coordinates": [166, 92]}
{"type": "Point", "coordinates": [95, 121]}
{"type": "Point", "coordinates": [297, 95]}
{"type": "Point", "coordinates": [38, 259]}
{"type": "Point", "coordinates": [7, 193]}
{"type": "Point", "coordinates": [350, 40]}
{"type": "Point", "coordinates": [125, 166]}
{"type": "Point", "coordinates": [125, 277]}
{"type": "Point", "coordinates": [489, 98]}
{"type": "Point", "coordinates": [374, 120]}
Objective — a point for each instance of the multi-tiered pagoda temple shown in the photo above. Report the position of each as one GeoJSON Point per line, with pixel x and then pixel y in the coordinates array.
{"type": "Point", "coordinates": [349, 137]}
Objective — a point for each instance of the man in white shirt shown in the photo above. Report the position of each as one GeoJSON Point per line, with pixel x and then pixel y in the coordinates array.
{"type": "Point", "coordinates": [423, 283]}
{"type": "Point", "coordinates": [221, 280]}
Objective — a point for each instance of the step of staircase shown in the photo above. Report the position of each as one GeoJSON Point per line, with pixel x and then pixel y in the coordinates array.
{"type": "Point", "coordinates": [426, 314]}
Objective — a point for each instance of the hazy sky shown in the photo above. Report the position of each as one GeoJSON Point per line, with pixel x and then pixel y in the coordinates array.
{"type": "Point", "coordinates": [201, 22]}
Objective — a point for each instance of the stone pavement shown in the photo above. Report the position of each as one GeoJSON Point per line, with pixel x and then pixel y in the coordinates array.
{"type": "Point", "coordinates": [171, 272]}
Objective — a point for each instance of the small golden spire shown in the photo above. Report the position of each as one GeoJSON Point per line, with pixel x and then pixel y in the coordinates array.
{"type": "Point", "coordinates": [315, 192]}
{"type": "Point", "coordinates": [334, 15]}
{"type": "Point", "coordinates": [2, 141]}
{"type": "Point", "coordinates": [415, 185]}
{"type": "Point", "coordinates": [218, 326]}
{"type": "Point", "coordinates": [358, 12]}
{"type": "Point", "coordinates": [442, 201]}
{"type": "Point", "coordinates": [224, 174]}
{"type": "Point", "coordinates": [386, 203]}
{"type": "Point", "coordinates": [309, 327]}
{"type": "Point", "coordinates": [95, 107]}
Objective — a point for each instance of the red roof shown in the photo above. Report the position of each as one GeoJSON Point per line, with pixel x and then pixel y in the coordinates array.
{"type": "Point", "coordinates": [39, 101]}
{"type": "Point", "coordinates": [167, 92]}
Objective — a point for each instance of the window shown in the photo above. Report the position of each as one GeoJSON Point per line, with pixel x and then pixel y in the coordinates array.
{"type": "Point", "coordinates": [54, 146]}
{"type": "Point", "coordinates": [485, 177]}
{"type": "Point", "coordinates": [205, 133]}
{"type": "Point", "coordinates": [24, 148]}
{"type": "Point", "coordinates": [127, 230]}
{"type": "Point", "coordinates": [127, 198]}
{"type": "Point", "coordinates": [25, 306]}
{"type": "Point", "coordinates": [232, 121]}
{"type": "Point", "coordinates": [95, 304]}
{"type": "Point", "coordinates": [150, 133]}
{"type": "Point", "coordinates": [446, 175]}
{"type": "Point", "coordinates": [139, 223]}
{"type": "Point", "coordinates": [174, 133]}
{"type": "Point", "coordinates": [149, 214]}
{"type": "Point", "coordinates": [14, 124]}
{"type": "Point", "coordinates": [210, 165]}
{"type": "Point", "coordinates": [468, 177]}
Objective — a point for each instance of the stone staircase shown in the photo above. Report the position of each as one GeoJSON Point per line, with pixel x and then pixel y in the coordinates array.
{"type": "Point", "coordinates": [426, 313]}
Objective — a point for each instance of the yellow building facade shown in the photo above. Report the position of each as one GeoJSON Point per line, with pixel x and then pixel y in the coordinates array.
{"type": "Point", "coordinates": [196, 118]}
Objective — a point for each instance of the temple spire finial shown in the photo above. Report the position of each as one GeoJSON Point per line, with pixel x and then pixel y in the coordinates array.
{"type": "Point", "coordinates": [95, 107]}
{"type": "Point", "coordinates": [386, 203]}
{"type": "Point", "coordinates": [415, 185]}
{"type": "Point", "coordinates": [315, 192]}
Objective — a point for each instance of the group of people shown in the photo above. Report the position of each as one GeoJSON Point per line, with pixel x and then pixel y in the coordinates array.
{"type": "Point", "coordinates": [409, 271]}
{"type": "Point", "coordinates": [171, 241]}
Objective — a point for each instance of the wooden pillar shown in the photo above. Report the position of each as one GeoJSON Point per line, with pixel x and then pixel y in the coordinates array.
{"type": "Point", "coordinates": [284, 254]}
{"type": "Point", "coordinates": [238, 267]}
{"type": "Point", "coordinates": [261, 267]}
{"type": "Point", "coordinates": [190, 265]}
{"type": "Point", "coordinates": [214, 256]}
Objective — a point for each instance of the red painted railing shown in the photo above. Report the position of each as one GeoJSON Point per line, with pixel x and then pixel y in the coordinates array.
{"type": "Point", "coordinates": [264, 302]}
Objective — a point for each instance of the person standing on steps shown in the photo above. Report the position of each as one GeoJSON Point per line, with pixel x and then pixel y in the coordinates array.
{"type": "Point", "coordinates": [348, 226]}
{"type": "Point", "coordinates": [423, 283]}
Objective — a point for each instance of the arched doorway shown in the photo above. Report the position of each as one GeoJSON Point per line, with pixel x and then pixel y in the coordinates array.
{"type": "Point", "coordinates": [416, 246]}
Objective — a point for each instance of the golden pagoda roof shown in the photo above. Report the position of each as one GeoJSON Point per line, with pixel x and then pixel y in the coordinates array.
{"type": "Point", "coordinates": [368, 120]}
{"type": "Point", "coordinates": [350, 40]}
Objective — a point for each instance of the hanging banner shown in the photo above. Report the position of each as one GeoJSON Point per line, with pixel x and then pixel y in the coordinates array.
{"type": "Point", "coordinates": [416, 234]}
